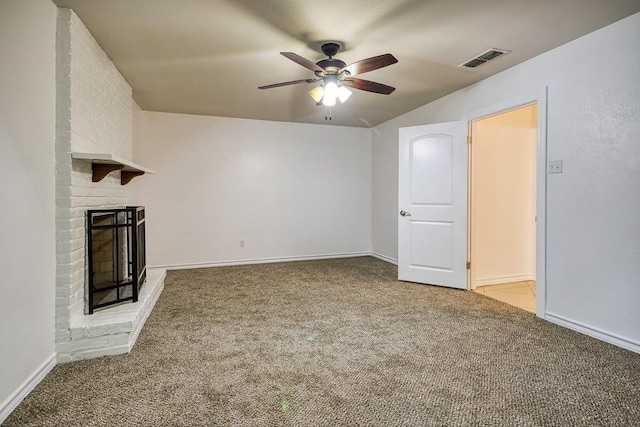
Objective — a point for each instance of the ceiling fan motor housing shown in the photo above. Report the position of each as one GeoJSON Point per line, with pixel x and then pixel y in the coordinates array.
{"type": "Point", "coordinates": [330, 49]}
{"type": "Point", "coordinates": [330, 65]}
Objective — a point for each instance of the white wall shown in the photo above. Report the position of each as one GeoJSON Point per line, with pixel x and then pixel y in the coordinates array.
{"type": "Point", "coordinates": [593, 208]}
{"type": "Point", "coordinates": [286, 189]}
{"type": "Point", "coordinates": [27, 216]}
{"type": "Point", "coordinates": [503, 228]}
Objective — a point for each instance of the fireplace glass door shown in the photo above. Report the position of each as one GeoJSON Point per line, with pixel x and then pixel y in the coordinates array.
{"type": "Point", "coordinates": [116, 256]}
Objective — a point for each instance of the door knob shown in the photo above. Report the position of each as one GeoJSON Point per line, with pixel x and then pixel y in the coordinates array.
{"type": "Point", "coordinates": [405, 213]}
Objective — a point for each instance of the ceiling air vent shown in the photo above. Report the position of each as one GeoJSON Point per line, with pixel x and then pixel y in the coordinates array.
{"type": "Point", "coordinates": [484, 57]}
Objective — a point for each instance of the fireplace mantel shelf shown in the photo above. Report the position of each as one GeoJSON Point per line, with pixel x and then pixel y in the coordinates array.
{"type": "Point", "coordinates": [103, 164]}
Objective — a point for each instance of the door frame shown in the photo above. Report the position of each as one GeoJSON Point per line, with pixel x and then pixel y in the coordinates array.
{"type": "Point", "coordinates": [538, 97]}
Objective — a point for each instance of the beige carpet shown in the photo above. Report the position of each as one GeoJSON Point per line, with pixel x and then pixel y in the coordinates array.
{"type": "Point", "coordinates": [339, 343]}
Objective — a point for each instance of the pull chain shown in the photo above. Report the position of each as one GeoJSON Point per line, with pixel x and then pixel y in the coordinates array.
{"type": "Point", "coordinates": [327, 113]}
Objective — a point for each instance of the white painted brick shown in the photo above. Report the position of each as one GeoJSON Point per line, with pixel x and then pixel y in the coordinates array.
{"type": "Point", "coordinates": [62, 280]}
{"type": "Point", "coordinates": [62, 309]}
{"type": "Point", "coordinates": [102, 330]}
{"type": "Point", "coordinates": [63, 335]}
{"type": "Point", "coordinates": [64, 269]}
{"type": "Point", "coordinates": [77, 222]}
{"type": "Point", "coordinates": [101, 342]}
{"type": "Point", "coordinates": [64, 233]}
{"type": "Point", "coordinates": [62, 322]}
{"type": "Point", "coordinates": [77, 308]}
{"type": "Point", "coordinates": [77, 243]}
{"type": "Point", "coordinates": [94, 114]}
{"type": "Point", "coordinates": [113, 351]}
{"type": "Point", "coordinates": [63, 245]}
{"type": "Point", "coordinates": [63, 357]}
{"type": "Point", "coordinates": [63, 258]}
{"type": "Point", "coordinates": [63, 182]}
{"type": "Point", "coordinates": [62, 297]}
{"type": "Point", "coordinates": [62, 213]}
{"type": "Point", "coordinates": [63, 202]}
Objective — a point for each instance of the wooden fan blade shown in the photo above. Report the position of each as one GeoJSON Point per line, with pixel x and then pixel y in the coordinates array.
{"type": "Point", "coordinates": [303, 61]}
{"type": "Point", "coordinates": [293, 82]}
{"type": "Point", "coordinates": [368, 86]}
{"type": "Point", "coordinates": [369, 64]}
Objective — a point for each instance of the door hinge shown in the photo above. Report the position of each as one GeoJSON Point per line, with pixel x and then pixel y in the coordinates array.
{"type": "Point", "coordinates": [469, 139]}
{"type": "Point", "coordinates": [468, 265]}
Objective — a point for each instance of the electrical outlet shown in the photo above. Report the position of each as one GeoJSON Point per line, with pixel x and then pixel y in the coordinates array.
{"type": "Point", "coordinates": [242, 243]}
{"type": "Point", "coordinates": [555, 166]}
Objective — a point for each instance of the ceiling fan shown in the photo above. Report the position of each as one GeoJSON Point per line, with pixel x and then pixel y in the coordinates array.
{"type": "Point", "coordinates": [336, 75]}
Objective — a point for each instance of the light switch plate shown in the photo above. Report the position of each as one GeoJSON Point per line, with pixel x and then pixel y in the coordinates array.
{"type": "Point", "coordinates": [555, 166]}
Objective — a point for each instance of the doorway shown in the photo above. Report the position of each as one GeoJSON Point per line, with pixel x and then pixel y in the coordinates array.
{"type": "Point", "coordinates": [434, 215]}
{"type": "Point", "coordinates": [502, 206]}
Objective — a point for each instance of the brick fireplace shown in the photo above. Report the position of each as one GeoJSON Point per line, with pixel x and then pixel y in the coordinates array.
{"type": "Point", "coordinates": [94, 114]}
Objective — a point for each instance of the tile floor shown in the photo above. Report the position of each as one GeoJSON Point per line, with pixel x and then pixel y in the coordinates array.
{"type": "Point", "coordinates": [519, 294]}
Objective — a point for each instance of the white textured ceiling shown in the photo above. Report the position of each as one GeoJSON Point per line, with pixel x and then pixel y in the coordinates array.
{"type": "Point", "coordinates": [209, 56]}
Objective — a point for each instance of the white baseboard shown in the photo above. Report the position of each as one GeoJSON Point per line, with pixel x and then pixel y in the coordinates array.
{"type": "Point", "coordinates": [18, 396]}
{"type": "Point", "coordinates": [384, 258]}
{"type": "Point", "coordinates": [260, 261]}
{"type": "Point", "coordinates": [593, 332]}
{"type": "Point", "coordinates": [504, 279]}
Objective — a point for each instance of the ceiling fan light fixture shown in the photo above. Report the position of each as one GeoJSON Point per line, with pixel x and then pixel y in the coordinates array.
{"type": "Point", "coordinates": [343, 94]}
{"type": "Point", "coordinates": [331, 92]}
{"type": "Point", "coordinates": [317, 93]}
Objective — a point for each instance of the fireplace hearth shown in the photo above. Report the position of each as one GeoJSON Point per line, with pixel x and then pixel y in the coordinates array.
{"type": "Point", "coordinates": [116, 256]}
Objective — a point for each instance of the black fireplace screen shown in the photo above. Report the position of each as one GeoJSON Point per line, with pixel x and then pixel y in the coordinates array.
{"type": "Point", "coordinates": [117, 259]}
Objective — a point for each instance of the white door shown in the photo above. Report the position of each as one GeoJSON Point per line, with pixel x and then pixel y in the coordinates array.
{"type": "Point", "coordinates": [432, 200]}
